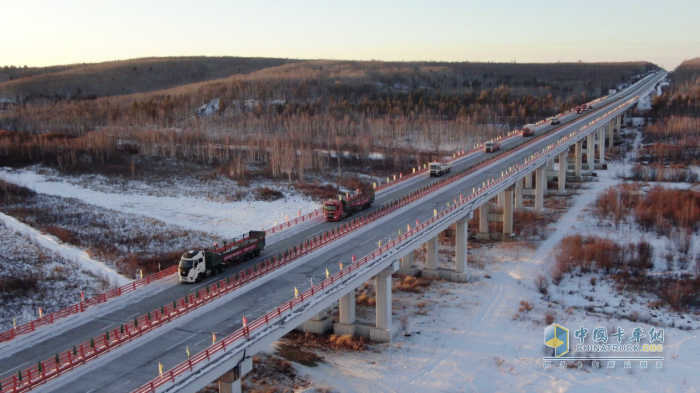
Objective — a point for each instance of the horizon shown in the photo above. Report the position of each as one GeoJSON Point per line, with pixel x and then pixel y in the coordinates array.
{"type": "Point", "coordinates": [448, 31]}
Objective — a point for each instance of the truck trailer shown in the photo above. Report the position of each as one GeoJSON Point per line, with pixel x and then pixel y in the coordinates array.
{"type": "Point", "coordinates": [440, 168]}
{"type": "Point", "coordinates": [337, 210]}
{"type": "Point", "coordinates": [198, 264]}
{"type": "Point", "coordinates": [529, 130]}
{"type": "Point", "coordinates": [491, 146]}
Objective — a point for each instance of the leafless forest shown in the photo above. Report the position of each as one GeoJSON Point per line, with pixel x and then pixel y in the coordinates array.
{"type": "Point", "coordinates": [280, 118]}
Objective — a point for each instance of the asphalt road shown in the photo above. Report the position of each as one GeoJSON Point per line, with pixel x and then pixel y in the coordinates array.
{"type": "Point", "coordinates": [136, 363]}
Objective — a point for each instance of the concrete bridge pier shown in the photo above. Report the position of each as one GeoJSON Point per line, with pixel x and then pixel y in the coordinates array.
{"type": "Point", "coordinates": [550, 169]}
{"type": "Point", "coordinates": [578, 156]}
{"type": "Point", "coordinates": [483, 219]}
{"type": "Point", "coordinates": [320, 323]}
{"type": "Point", "coordinates": [346, 307]}
{"type": "Point", "coordinates": [382, 330]}
{"type": "Point", "coordinates": [601, 145]}
{"type": "Point", "coordinates": [460, 272]}
{"type": "Point", "coordinates": [519, 194]}
{"type": "Point", "coordinates": [541, 181]}
{"type": "Point", "coordinates": [611, 131]}
{"type": "Point", "coordinates": [230, 382]}
{"type": "Point", "coordinates": [507, 212]}
{"type": "Point", "coordinates": [528, 180]}
{"type": "Point", "coordinates": [561, 177]}
{"type": "Point", "coordinates": [407, 265]}
{"type": "Point", "coordinates": [590, 152]}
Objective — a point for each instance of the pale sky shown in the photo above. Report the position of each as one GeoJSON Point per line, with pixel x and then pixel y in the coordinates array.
{"type": "Point", "coordinates": [40, 33]}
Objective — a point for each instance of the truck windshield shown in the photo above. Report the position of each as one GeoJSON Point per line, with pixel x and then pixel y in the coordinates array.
{"type": "Point", "coordinates": [434, 166]}
{"type": "Point", "coordinates": [489, 144]}
{"type": "Point", "coordinates": [187, 263]}
{"type": "Point", "coordinates": [330, 208]}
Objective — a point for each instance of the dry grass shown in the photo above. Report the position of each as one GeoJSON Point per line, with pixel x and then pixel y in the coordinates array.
{"type": "Point", "coordinates": [411, 284]}
{"type": "Point", "coordinates": [333, 342]}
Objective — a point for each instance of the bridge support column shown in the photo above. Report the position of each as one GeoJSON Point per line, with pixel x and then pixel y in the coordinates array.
{"type": "Point", "coordinates": [484, 218]}
{"type": "Point", "coordinates": [461, 240]}
{"type": "Point", "coordinates": [611, 130]}
{"type": "Point", "coordinates": [346, 307]}
{"type": "Point", "coordinates": [500, 200]}
{"type": "Point", "coordinates": [519, 194]}
{"type": "Point", "coordinates": [561, 178]}
{"type": "Point", "coordinates": [590, 146]}
{"type": "Point", "coordinates": [408, 267]}
{"type": "Point", "coordinates": [318, 324]}
{"type": "Point", "coordinates": [601, 145]}
{"type": "Point", "coordinates": [431, 253]}
{"type": "Point", "coordinates": [550, 167]}
{"type": "Point", "coordinates": [508, 213]}
{"type": "Point", "coordinates": [528, 180]}
{"type": "Point", "coordinates": [230, 382]}
{"type": "Point", "coordinates": [540, 187]}
{"type": "Point", "coordinates": [578, 156]}
{"type": "Point", "coordinates": [459, 273]}
{"type": "Point", "coordinates": [382, 332]}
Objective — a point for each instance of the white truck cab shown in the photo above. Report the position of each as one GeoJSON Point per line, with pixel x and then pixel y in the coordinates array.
{"type": "Point", "coordinates": [440, 168]}
{"type": "Point", "coordinates": [195, 265]}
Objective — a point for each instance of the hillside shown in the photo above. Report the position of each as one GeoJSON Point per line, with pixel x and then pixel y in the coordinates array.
{"type": "Point", "coordinates": [403, 110]}
{"type": "Point", "coordinates": [122, 77]}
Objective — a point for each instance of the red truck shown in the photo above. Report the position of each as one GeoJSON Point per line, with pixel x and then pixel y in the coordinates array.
{"type": "Point", "coordinates": [337, 210]}
{"type": "Point", "coordinates": [529, 129]}
{"type": "Point", "coordinates": [580, 109]}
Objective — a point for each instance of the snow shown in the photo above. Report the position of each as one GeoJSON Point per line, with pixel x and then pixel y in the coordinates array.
{"type": "Point", "coordinates": [32, 276]}
{"type": "Point", "coordinates": [184, 206]}
{"type": "Point", "coordinates": [209, 108]}
{"type": "Point", "coordinates": [68, 252]}
{"type": "Point", "coordinates": [473, 336]}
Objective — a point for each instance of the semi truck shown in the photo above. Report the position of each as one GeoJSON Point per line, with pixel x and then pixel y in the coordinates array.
{"type": "Point", "coordinates": [198, 264]}
{"type": "Point", "coordinates": [337, 210]}
{"type": "Point", "coordinates": [492, 146]}
{"type": "Point", "coordinates": [440, 168]}
{"type": "Point", "coordinates": [529, 130]}
{"type": "Point", "coordinates": [554, 120]}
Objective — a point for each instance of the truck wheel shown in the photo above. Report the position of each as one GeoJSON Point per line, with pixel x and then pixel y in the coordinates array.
{"type": "Point", "coordinates": [199, 278]}
{"type": "Point", "coordinates": [256, 253]}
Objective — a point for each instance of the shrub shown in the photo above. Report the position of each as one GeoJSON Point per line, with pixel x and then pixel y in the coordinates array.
{"type": "Point", "coordinates": [542, 284]}
{"type": "Point", "coordinates": [268, 194]}
{"type": "Point", "coordinates": [549, 317]}
{"type": "Point", "coordinates": [413, 285]}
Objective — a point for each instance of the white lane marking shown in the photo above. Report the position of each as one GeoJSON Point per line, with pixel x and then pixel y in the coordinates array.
{"type": "Point", "coordinates": [16, 367]}
{"type": "Point", "coordinates": [367, 241]}
{"type": "Point", "coordinates": [179, 342]}
{"type": "Point", "coordinates": [107, 326]}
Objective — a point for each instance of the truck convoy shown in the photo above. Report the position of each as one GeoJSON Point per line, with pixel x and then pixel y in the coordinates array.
{"type": "Point", "coordinates": [198, 264]}
{"type": "Point", "coordinates": [528, 130]}
{"type": "Point", "coordinates": [440, 168]}
{"type": "Point", "coordinates": [492, 146]}
{"type": "Point", "coordinates": [337, 210]}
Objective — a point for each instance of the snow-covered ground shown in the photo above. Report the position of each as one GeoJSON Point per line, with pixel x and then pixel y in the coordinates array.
{"type": "Point", "coordinates": [49, 243]}
{"type": "Point", "coordinates": [481, 337]}
{"type": "Point", "coordinates": [184, 204]}
{"type": "Point", "coordinates": [33, 275]}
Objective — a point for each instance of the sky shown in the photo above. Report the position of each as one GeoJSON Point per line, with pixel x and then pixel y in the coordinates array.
{"type": "Point", "coordinates": [42, 33]}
